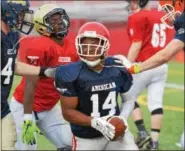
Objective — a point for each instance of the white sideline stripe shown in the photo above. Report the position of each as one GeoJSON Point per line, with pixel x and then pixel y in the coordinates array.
{"type": "Point", "coordinates": [175, 86]}
{"type": "Point", "coordinates": [178, 145]}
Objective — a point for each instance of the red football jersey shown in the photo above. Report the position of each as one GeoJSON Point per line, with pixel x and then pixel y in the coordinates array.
{"type": "Point", "coordinates": [42, 51]}
{"type": "Point", "coordinates": [147, 27]}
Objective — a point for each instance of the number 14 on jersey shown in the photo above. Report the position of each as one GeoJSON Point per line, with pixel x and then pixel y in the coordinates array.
{"type": "Point", "coordinates": [109, 103]}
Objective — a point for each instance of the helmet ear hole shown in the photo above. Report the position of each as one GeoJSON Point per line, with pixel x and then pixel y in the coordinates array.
{"type": "Point", "coordinates": [41, 30]}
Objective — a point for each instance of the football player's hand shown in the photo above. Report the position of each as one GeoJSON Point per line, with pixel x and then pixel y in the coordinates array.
{"type": "Point", "coordinates": [28, 130]}
{"type": "Point", "coordinates": [132, 68]}
{"type": "Point", "coordinates": [107, 129]}
{"type": "Point", "coordinates": [122, 60]}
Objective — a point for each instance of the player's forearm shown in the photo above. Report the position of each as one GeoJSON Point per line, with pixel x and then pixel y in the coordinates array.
{"type": "Point", "coordinates": [155, 61]}
{"type": "Point", "coordinates": [134, 50]}
{"type": "Point", "coordinates": [76, 117]}
{"type": "Point", "coordinates": [24, 69]}
{"type": "Point", "coordinates": [127, 106]}
{"type": "Point", "coordinates": [163, 56]}
{"type": "Point", "coordinates": [29, 91]}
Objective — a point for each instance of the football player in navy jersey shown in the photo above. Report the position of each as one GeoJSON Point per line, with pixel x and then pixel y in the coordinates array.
{"type": "Point", "coordinates": [14, 18]}
{"type": "Point", "coordinates": [90, 89]}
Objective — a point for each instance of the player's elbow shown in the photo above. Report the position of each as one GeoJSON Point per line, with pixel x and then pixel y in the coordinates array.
{"type": "Point", "coordinates": [17, 68]}
{"type": "Point", "coordinates": [170, 50]}
{"type": "Point", "coordinates": [165, 58]}
{"type": "Point", "coordinates": [65, 115]}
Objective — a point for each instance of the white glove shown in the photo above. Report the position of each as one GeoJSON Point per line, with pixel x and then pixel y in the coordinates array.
{"type": "Point", "coordinates": [107, 129]}
{"type": "Point", "coordinates": [122, 60]}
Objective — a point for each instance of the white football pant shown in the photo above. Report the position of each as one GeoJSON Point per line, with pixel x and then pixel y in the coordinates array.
{"type": "Point", "coordinates": [101, 143]}
{"type": "Point", "coordinates": [50, 122]}
{"type": "Point", "coordinates": [154, 81]}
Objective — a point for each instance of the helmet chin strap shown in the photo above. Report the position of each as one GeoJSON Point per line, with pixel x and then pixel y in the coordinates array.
{"type": "Point", "coordinates": [91, 63]}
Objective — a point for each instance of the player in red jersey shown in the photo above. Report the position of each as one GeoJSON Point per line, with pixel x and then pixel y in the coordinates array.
{"type": "Point", "coordinates": [148, 35]}
{"type": "Point", "coordinates": [174, 17]}
{"type": "Point", "coordinates": [50, 49]}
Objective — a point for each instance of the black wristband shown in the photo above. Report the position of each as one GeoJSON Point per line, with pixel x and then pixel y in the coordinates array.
{"type": "Point", "coordinates": [42, 72]}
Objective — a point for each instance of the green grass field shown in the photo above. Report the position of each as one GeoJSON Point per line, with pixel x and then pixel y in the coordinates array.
{"type": "Point", "coordinates": [173, 121]}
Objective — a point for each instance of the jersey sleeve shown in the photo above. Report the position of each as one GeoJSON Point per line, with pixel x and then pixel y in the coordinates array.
{"type": "Point", "coordinates": [32, 53]}
{"type": "Point", "coordinates": [180, 28]}
{"type": "Point", "coordinates": [127, 80]}
{"type": "Point", "coordinates": [135, 28]}
{"type": "Point", "coordinates": [64, 83]}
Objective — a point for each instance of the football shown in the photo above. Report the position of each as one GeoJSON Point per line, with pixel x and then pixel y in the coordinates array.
{"type": "Point", "coordinates": [119, 125]}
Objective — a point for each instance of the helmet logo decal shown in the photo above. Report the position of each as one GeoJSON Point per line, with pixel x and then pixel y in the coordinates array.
{"type": "Point", "coordinates": [90, 34]}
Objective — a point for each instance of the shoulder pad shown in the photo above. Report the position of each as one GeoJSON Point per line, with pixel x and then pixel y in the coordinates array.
{"type": "Point", "coordinates": [110, 61]}
{"type": "Point", "coordinates": [180, 21]}
{"type": "Point", "coordinates": [70, 72]}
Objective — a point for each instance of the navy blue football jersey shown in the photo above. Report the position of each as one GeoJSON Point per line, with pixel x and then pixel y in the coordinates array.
{"type": "Point", "coordinates": [180, 27]}
{"type": "Point", "coordinates": [9, 46]}
{"type": "Point", "coordinates": [97, 92]}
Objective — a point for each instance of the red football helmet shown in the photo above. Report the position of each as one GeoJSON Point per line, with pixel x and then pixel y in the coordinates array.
{"type": "Point", "coordinates": [92, 30]}
{"type": "Point", "coordinates": [172, 8]}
